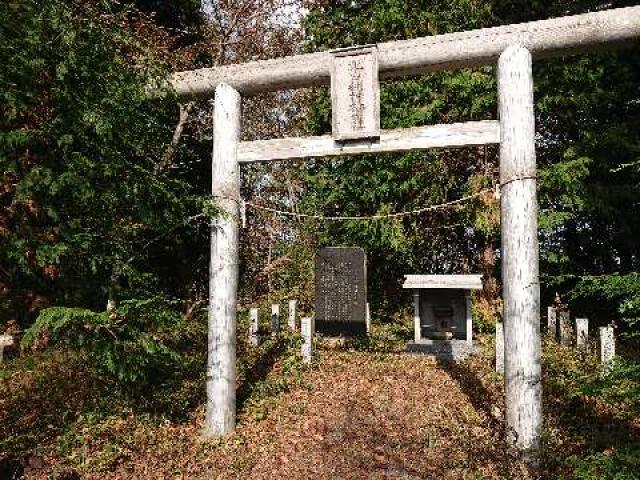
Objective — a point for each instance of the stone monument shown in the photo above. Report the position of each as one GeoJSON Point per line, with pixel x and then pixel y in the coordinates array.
{"type": "Point", "coordinates": [341, 291]}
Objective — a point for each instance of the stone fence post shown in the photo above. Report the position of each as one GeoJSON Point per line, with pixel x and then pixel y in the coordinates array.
{"type": "Point", "coordinates": [582, 332]}
{"type": "Point", "coordinates": [368, 319]}
{"type": "Point", "coordinates": [292, 315]}
{"type": "Point", "coordinates": [499, 347]}
{"type": "Point", "coordinates": [306, 328]}
{"type": "Point", "coordinates": [5, 341]}
{"type": "Point", "coordinates": [254, 339]}
{"type": "Point", "coordinates": [552, 322]}
{"type": "Point", "coordinates": [607, 346]}
{"type": "Point", "coordinates": [275, 320]}
{"type": "Point", "coordinates": [564, 327]}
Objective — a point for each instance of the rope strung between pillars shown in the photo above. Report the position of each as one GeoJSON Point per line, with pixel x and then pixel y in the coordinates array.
{"type": "Point", "coordinates": [243, 211]}
{"type": "Point", "coordinates": [517, 178]}
{"type": "Point", "coordinates": [371, 217]}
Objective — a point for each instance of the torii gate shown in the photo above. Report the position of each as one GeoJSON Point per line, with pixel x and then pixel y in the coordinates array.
{"type": "Point", "coordinates": [353, 75]}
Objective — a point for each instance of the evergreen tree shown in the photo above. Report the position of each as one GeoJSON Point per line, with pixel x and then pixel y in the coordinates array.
{"type": "Point", "coordinates": [86, 214]}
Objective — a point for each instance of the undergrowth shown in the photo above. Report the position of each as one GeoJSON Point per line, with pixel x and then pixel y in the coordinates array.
{"type": "Point", "coordinates": [388, 337]}
{"type": "Point", "coordinates": [58, 405]}
{"type": "Point", "coordinates": [64, 405]}
{"type": "Point", "coordinates": [593, 426]}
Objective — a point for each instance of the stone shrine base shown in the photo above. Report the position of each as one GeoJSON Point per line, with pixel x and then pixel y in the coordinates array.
{"type": "Point", "coordinates": [455, 350]}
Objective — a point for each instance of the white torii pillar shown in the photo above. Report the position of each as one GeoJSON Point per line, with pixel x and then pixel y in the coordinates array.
{"type": "Point", "coordinates": [223, 271]}
{"type": "Point", "coordinates": [522, 376]}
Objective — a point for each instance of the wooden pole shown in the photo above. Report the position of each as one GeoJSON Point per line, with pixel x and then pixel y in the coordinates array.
{"type": "Point", "coordinates": [223, 273]}
{"type": "Point", "coordinates": [523, 388]}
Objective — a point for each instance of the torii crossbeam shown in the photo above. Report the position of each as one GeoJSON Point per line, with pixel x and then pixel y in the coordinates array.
{"type": "Point", "coordinates": [544, 39]}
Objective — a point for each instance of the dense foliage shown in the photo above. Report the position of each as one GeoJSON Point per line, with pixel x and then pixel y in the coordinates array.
{"type": "Point", "coordinates": [85, 213]}
{"type": "Point", "coordinates": [127, 343]}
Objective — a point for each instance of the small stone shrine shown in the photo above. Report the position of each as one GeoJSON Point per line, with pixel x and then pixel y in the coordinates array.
{"type": "Point", "coordinates": [442, 306]}
{"type": "Point", "coordinates": [341, 291]}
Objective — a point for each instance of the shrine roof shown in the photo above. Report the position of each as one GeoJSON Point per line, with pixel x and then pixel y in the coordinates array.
{"type": "Point", "coordinates": [467, 282]}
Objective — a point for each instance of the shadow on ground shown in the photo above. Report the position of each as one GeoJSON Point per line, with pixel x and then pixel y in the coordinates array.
{"type": "Point", "coordinates": [584, 424]}
{"type": "Point", "coordinates": [256, 369]}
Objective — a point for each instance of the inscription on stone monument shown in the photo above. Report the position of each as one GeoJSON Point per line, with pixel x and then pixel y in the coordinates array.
{"type": "Point", "coordinates": [341, 291]}
{"type": "Point", "coordinates": [355, 97]}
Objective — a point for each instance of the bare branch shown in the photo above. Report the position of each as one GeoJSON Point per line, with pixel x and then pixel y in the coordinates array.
{"type": "Point", "coordinates": [165, 162]}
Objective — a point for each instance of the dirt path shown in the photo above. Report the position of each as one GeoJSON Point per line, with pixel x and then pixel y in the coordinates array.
{"type": "Point", "coordinates": [381, 417]}
{"type": "Point", "coordinates": [353, 415]}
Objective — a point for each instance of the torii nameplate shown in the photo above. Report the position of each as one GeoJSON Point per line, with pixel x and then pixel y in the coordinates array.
{"type": "Point", "coordinates": [355, 94]}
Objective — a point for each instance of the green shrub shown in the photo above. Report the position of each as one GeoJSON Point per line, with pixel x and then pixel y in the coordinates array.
{"type": "Point", "coordinates": [129, 345]}
{"type": "Point", "coordinates": [620, 385]}
{"type": "Point", "coordinates": [623, 464]}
